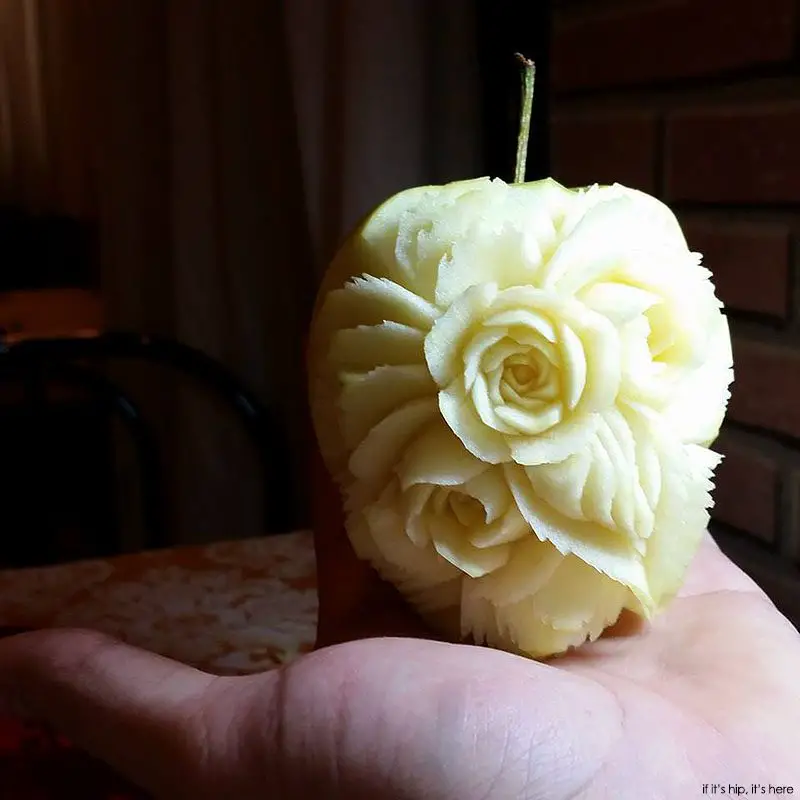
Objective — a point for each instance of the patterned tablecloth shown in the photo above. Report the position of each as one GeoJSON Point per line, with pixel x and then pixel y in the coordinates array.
{"type": "Point", "coordinates": [229, 608]}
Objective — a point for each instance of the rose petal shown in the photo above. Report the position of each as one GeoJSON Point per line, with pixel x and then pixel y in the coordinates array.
{"type": "Point", "coordinates": [601, 485]}
{"type": "Point", "coordinates": [416, 498]}
{"type": "Point", "coordinates": [662, 224]}
{"type": "Point", "coordinates": [642, 380]}
{"type": "Point", "coordinates": [418, 251]}
{"type": "Point", "coordinates": [547, 194]}
{"type": "Point", "coordinates": [437, 457]}
{"type": "Point", "coordinates": [574, 361]}
{"type": "Point", "coordinates": [369, 346]}
{"type": "Point", "coordinates": [556, 444]}
{"type": "Point", "coordinates": [604, 243]}
{"type": "Point", "coordinates": [588, 603]}
{"type": "Point", "coordinates": [369, 301]}
{"type": "Point", "coordinates": [491, 490]}
{"type": "Point", "coordinates": [485, 408]}
{"type": "Point", "coordinates": [541, 228]}
{"type": "Point", "coordinates": [452, 544]}
{"type": "Point", "coordinates": [525, 297]}
{"type": "Point", "coordinates": [367, 398]}
{"type": "Point", "coordinates": [529, 422]}
{"type": "Point", "coordinates": [398, 559]}
{"type": "Point", "coordinates": [697, 410]}
{"type": "Point", "coordinates": [379, 235]}
{"type": "Point", "coordinates": [444, 342]}
{"type": "Point", "coordinates": [492, 234]}
{"type": "Point", "coordinates": [521, 633]}
{"type": "Point", "coordinates": [563, 483]}
{"type": "Point", "coordinates": [617, 438]}
{"type": "Point", "coordinates": [483, 442]}
{"type": "Point", "coordinates": [479, 619]}
{"type": "Point", "coordinates": [494, 356]}
{"type": "Point", "coordinates": [524, 318]}
{"type": "Point", "coordinates": [420, 244]}
{"type": "Point", "coordinates": [645, 518]}
{"type": "Point", "coordinates": [591, 249]}
{"type": "Point", "coordinates": [603, 549]}
{"type": "Point", "coordinates": [531, 565]}
{"type": "Point", "coordinates": [494, 380]}
{"type": "Point", "coordinates": [545, 395]}
{"type": "Point", "coordinates": [466, 510]}
{"type": "Point", "coordinates": [647, 457]}
{"type": "Point", "coordinates": [375, 457]}
{"type": "Point", "coordinates": [603, 359]}
{"type": "Point", "coordinates": [538, 638]}
{"type": "Point", "coordinates": [534, 345]}
{"type": "Point", "coordinates": [619, 302]}
{"type": "Point", "coordinates": [499, 259]}
{"type": "Point", "coordinates": [509, 528]}
{"type": "Point", "coordinates": [570, 599]}
{"type": "Point", "coordinates": [682, 512]}
{"type": "Point", "coordinates": [474, 352]}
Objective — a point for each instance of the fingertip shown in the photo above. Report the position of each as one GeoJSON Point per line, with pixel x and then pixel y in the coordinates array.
{"type": "Point", "coordinates": [127, 707]}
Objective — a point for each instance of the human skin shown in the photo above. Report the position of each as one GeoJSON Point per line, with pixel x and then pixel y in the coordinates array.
{"type": "Point", "coordinates": [707, 693]}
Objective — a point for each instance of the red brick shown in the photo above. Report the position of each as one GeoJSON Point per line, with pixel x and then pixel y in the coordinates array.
{"type": "Point", "coordinates": [749, 262]}
{"type": "Point", "coordinates": [604, 148]}
{"type": "Point", "coordinates": [766, 388]}
{"type": "Point", "coordinates": [734, 155]}
{"type": "Point", "coordinates": [655, 41]}
{"type": "Point", "coordinates": [746, 494]}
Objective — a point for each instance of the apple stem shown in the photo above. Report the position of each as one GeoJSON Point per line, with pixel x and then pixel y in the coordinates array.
{"type": "Point", "coordinates": [528, 79]}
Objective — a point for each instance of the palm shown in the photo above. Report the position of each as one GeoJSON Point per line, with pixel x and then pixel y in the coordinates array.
{"type": "Point", "coordinates": [698, 697]}
{"type": "Point", "coordinates": [705, 695]}
{"type": "Point", "coordinates": [709, 692]}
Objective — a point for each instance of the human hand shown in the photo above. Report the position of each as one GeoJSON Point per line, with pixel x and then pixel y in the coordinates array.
{"type": "Point", "coordinates": [706, 694]}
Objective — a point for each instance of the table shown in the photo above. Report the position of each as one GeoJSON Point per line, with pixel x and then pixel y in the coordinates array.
{"type": "Point", "coordinates": [230, 608]}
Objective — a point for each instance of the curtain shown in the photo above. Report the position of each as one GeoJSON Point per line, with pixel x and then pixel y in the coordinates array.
{"type": "Point", "coordinates": [221, 150]}
{"type": "Point", "coordinates": [386, 97]}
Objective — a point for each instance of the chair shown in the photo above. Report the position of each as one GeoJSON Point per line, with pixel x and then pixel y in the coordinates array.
{"type": "Point", "coordinates": [78, 362]}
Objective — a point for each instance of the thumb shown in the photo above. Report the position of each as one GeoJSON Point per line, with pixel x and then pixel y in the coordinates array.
{"type": "Point", "coordinates": [146, 716]}
{"type": "Point", "coordinates": [317, 728]}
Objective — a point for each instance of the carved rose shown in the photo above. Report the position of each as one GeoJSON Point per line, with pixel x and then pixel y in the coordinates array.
{"type": "Point", "coordinates": [516, 387]}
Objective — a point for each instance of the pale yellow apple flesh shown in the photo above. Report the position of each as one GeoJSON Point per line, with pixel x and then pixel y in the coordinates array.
{"type": "Point", "coordinates": [515, 388]}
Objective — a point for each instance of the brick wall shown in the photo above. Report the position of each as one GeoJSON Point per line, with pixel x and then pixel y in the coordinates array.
{"type": "Point", "coordinates": [698, 102]}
